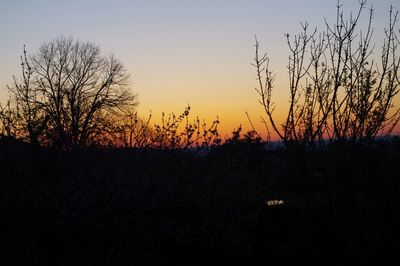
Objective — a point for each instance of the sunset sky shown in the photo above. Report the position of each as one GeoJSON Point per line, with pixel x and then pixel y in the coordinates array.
{"type": "Point", "coordinates": [177, 52]}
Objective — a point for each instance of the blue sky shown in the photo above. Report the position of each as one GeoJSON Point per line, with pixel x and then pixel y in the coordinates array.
{"type": "Point", "coordinates": [178, 52]}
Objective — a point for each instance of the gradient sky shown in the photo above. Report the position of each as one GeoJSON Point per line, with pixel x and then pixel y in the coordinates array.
{"type": "Point", "coordinates": [177, 52]}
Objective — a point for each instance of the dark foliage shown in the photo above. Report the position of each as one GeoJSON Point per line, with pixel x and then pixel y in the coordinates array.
{"type": "Point", "coordinates": [151, 206]}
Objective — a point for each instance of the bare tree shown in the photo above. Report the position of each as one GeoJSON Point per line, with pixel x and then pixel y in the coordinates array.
{"type": "Point", "coordinates": [337, 89]}
{"type": "Point", "coordinates": [69, 93]}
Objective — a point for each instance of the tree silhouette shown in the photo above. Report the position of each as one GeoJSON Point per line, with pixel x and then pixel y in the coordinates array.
{"type": "Point", "coordinates": [69, 94]}
{"type": "Point", "coordinates": [337, 91]}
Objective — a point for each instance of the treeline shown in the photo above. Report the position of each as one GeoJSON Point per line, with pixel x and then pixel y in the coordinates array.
{"type": "Point", "coordinates": [95, 206]}
{"type": "Point", "coordinates": [341, 89]}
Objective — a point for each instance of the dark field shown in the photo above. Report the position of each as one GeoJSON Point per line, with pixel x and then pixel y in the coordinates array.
{"type": "Point", "coordinates": [143, 207]}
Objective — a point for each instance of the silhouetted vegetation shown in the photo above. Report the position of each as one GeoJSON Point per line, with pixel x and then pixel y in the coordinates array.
{"type": "Point", "coordinates": [338, 89]}
{"type": "Point", "coordinates": [113, 206]}
{"type": "Point", "coordinates": [68, 95]}
{"type": "Point", "coordinates": [84, 180]}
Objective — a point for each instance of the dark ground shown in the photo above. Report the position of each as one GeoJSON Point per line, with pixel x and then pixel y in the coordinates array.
{"type": "Point", "coordinates": [144, 207]}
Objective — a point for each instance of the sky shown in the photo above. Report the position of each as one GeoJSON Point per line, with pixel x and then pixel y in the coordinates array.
{"type": "Point", "coordinates": [178, 52]}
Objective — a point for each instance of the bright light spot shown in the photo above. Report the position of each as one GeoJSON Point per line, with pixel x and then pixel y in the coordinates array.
{"type": "Point", "coordinates": [274, 202]}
